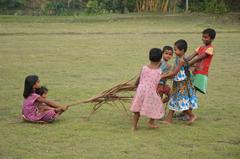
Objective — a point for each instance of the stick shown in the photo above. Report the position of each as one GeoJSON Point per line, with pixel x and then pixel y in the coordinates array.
{"type": "Point", "coordinates": [110, 94]}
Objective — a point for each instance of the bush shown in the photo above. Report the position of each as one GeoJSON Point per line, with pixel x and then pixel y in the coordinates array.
{"type": "Point", "coordinates": [209, 6]}
{"type": "Point", "coordinates": [93, 7]}
{"type": "Point", "coordinates": [131, 5]}
{"type": "Point", "coordinates": [53, 8]}
{"type": "Point", "coordinates": [110, 6]}
{"type": "Point", "coordinates": [12, 4]}
{"type": "Point", "coordinates": [215, 6]}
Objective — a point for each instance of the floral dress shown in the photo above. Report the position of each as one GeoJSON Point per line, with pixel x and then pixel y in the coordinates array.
{"type": "Point", "coordinates": [183, 96]}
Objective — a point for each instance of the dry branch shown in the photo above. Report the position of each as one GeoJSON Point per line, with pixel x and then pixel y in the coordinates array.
{"type": "Point", "coordinates": [115, 94]}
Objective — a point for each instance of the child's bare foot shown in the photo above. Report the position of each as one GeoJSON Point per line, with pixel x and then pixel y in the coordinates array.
{"type": "Point", "coordinates": [24, 118]}
{"type": "Point", "coordinates": [152, 126]}
{"type": "Point", "coordinates": [64, 108]}
{"type": "Point", "coordinates": [134, 128]}
{"type": "Point", "coordinates": [192, 120]}
{"type": "Point", "coordinates": [165, 122]}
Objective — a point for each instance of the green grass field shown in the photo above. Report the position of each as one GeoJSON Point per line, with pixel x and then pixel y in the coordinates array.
{"type": "Point", "coordinates": [78, 57]}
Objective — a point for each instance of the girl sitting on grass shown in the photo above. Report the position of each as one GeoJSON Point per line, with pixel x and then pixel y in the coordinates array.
{"type": "Point", "coordinates": [32, 102]}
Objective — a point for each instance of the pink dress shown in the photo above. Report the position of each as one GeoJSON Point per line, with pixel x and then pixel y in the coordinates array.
{"type": "Point", "coordinates": [146, 100]}
{"type": "Point", "coordinates": [31, 112]}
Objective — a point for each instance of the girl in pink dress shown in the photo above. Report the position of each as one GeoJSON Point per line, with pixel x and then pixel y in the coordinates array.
{"type": "Point", "coordinates": [33, 101]}
{"type": "Point", "coordinates": [146, 100]}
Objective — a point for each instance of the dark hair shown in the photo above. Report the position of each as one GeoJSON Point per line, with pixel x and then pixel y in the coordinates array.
{"type": "Point", "coordinates": [155, 55]}
{"type": "Point", "coordinates": [28, 85]}
{"type": "Point", "coordinates": [41, 91]}
{"type": "Point", "coordinates": [211, 32]}
{"type": "Point", "coordinates": [181, 45]}
{"type": "Point", "coordinates": [167, 48]}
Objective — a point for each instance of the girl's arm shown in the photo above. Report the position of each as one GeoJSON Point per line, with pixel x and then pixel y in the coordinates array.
{"type": "Point", "coordinates": [173, 73]}
{"type": "Point", "coordinates": [198, 58]}
{"type": "Point", "coordinates": [51, 103]}
{"type": "Point", "coordinates": [169, 67]}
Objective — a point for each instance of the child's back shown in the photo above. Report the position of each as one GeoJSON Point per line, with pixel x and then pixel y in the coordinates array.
{"type": "Point", "coordinates": [146, 100]}
{"type": "Point", "coordinates": [149, 77]}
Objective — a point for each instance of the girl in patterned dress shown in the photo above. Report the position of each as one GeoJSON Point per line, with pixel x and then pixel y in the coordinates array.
{"type": "Point", "coordinates": [183, 97]}
{"type": "Point", "coordinates": [32, 101]}
{"type": "Point", "coordinates": [163, 87]}
{"type": "Point", "coordinates": [146, 100]}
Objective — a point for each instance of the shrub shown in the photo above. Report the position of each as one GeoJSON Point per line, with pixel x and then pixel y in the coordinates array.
{"type": "Point", "coordinates": [53, 8]}
{"type": "Point", "coordinates": [209, 6]}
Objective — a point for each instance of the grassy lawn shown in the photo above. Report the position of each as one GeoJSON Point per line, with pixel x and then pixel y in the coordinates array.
{"type": "Point", "coordinates": [78, 57]}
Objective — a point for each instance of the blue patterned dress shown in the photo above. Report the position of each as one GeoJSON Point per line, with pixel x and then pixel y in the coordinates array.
{"type": "Point", "coordinates": [183, 96]}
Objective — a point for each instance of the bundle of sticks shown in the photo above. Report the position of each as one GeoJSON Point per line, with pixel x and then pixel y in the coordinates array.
{"type": "Point", "coordinates": [118, 93]}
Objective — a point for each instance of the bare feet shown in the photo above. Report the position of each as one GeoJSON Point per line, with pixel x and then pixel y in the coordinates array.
{"type": "Point", "coordinates": [165, 122]}
{"type": "Point", "coordinates": [192, 120]}
{"type": "Point", "coordinates": [26, 120]}
{"type": "Point", "coordinates": [134, 128]}
{"type": "Point", "coordinates": [64, 108]}
{"type": "Point", "coordinates": [152, 126]}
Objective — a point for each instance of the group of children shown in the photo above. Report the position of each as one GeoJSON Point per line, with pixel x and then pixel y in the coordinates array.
{"type": "Point", "coordinates": [151, 84]}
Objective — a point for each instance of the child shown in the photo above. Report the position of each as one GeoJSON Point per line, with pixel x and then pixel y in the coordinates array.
{"type": "Point", "coordinates": [42, 91]}
{"type": "Point", "coordinates": [146, 100]}
{"type": "Point", "coordinates": [203, 60]}
{"type": "Point", "coordinates": [32, 100]}
{"type": "Point", "coordinates": [183, 96]}
{"type": "Point", "coordinates": [163, 88]}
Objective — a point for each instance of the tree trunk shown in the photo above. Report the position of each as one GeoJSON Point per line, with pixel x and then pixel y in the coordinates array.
{"type": "Point", "coordinates": [165, 9]}
{"type": "Point", "coordinates": [68, 3]}
{"type": "Point", "coordinates": [174, 6]}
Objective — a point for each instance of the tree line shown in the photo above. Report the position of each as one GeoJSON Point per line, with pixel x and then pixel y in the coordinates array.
{"type": "Point", "coordinates": [71, 7]}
